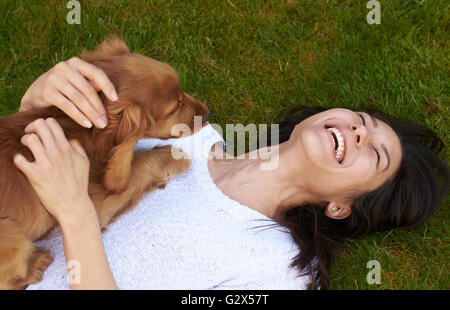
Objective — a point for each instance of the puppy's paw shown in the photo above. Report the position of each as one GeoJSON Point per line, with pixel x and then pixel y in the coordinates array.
{"type": "Point", "coordinates": [162, 160]}
{"type": "Point", "coordinates": [182, 163]}
{"type": "Point", "coordinates": [37, 264]}
{"type": "Point", "coordinates": [116, 179]}
{"type": "Point", "coordinates": [115, 186]}
{"type": "Point", "coordinates": [155, 167]}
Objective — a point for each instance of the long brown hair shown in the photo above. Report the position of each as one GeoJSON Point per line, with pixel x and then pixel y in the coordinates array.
{"type": "Point", "coordinates": [406, 200]}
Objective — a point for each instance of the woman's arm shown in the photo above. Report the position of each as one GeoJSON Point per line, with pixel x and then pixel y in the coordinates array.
{"type": "Point", "coordinates": [72, 86]}
{"type": "Point", "coordinates": [60, 175]}
{"type": "Point", "coordinates": [83, 244]}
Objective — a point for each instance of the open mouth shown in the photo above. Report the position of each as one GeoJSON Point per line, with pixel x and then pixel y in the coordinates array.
{"type": "Point", "coordinates": [339, 144]}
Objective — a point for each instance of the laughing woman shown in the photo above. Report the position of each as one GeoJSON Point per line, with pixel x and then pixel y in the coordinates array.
{"type": "Point", "coordinates": [225, 223]}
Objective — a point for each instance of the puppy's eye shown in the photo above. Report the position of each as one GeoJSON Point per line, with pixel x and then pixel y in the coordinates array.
{"type": "Point", "coordinates": [174, 109]}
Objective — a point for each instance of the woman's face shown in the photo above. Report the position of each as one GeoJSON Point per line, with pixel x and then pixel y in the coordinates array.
{"type": "Point", "coordinates": [370, 153]}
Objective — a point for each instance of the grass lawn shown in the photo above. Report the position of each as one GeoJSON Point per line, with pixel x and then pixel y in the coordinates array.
{"type": "Point", "coordinates": [248, 59]}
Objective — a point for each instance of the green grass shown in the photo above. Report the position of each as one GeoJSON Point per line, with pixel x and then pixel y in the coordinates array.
{"type": "Point", "coordinates": [248, 59]}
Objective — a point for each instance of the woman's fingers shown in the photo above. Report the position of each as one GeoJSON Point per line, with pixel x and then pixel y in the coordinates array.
{"type": "Point", "coordinates": [60, 138]}
{"type": "Point", "coordinates": [44, 133]}
{"type": "Point", "coordinates": [97, 77]}
{"type": "Point", "coordinates": [94, 85]}
{"type": "Point", "coordinates": [77, 146]}
{"type": "Point", "coordinates": [65, 105]}
{"type": "Point", "coordinates": [85, 88]}
{"type": "Point", "coordinates": [23, 165]}
{"type": "Point", "coordinates": [47, 132]}
{"type": "Point", "coordinates": [72, 86]}
{"type": "Point", "coordinates": [33, 142]}
{"type": "Point", "coordinates": [51, 134]}
{"type": "Point", "coordinates": [76, 98]}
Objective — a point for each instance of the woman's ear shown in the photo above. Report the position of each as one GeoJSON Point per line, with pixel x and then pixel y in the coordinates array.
{"type": "Point", "coordinates": [130, 128]}
{"type": "Point", "coordinates": [338, 210]}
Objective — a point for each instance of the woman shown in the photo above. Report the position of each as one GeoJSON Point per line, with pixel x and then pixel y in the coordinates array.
{"type": "Point", "coordinates": [208, 228]}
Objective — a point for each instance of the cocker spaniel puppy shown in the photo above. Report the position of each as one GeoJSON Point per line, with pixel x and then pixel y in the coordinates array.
{"type": "Point", "coordinates": [150, 103]}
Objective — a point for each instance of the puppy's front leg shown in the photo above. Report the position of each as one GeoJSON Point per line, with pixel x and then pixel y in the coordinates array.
{"type": "Point", "coordinates": [150, 169]}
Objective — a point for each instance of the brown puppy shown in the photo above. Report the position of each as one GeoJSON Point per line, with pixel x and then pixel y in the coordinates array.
{"type": "Point", "coordinates": [150, 102]}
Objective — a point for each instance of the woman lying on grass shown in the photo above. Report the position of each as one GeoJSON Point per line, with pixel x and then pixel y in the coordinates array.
{"type": "Point", "coordinates": [341, 174]}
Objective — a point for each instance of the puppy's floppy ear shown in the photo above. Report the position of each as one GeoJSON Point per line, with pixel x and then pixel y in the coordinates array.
{"type": "Point", "coordinates": [112, 46]}
{"type": "Point", "coordinates": [129, 122]}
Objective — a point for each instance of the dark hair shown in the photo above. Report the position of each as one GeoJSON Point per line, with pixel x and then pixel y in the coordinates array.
{"type": "Point", "coordinates": [406, 200]}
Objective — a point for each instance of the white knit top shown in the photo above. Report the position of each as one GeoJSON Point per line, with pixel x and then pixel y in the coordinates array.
{"type": "Point", "coordinates": [189, 235]}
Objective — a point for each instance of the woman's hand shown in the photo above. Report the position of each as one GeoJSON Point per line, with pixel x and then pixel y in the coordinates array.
{"type": "Point", "coordinates": [72, 86]}
{"type": "Point", "coordinates": [60, 176]}
{"type": "Point", "coordinates": [60, 172]}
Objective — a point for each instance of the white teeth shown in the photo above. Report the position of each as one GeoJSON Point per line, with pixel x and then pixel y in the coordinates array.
{"type": "Point", "coordinates": [340, 139]}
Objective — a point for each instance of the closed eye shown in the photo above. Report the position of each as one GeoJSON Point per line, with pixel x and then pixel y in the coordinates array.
{"type": "Point", "coordinates": [378, 155]}
{"type": "Point", "coordinates": [383, 146]}
{"type": "Point", "coordinates": [363, 120]}
{"type": "Point", "coordinates": [376, 151]}
{"type": "Point", "coordinates": [174, 109]}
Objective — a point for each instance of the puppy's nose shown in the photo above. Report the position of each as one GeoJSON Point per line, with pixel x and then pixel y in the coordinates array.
{"type": "Point", "coordinates": [206, 116]}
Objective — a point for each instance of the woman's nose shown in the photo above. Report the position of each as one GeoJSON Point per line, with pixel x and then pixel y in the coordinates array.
{"type": "Point", "coordinates": [359, 133]}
